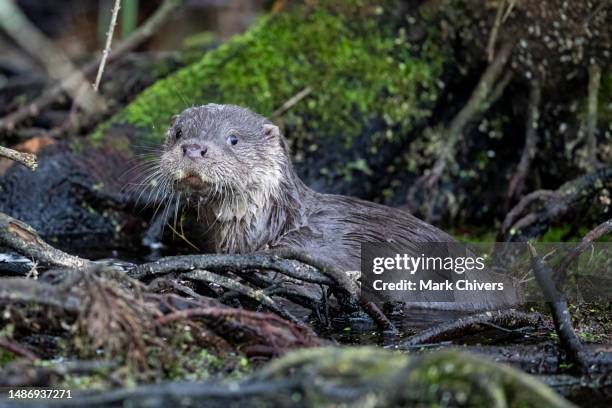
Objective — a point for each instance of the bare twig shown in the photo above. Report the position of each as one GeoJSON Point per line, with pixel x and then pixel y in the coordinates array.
{"type": "Point", "coordinates": [570, 343]}
{"type": "Point", "coordinates": [291, 102]}
{"type": "Point", "coordinates": [495, 30]}
{"type": "Point", "coordinates": [593, 235]}
{"type": "Point", "coordinates": [27, 159]}
{"type": "Point", "coordinates": [59, 66]}
{"type": "Point", "coordinates": [517, 182]}
{"type": "Point", "coordinates": [591, 138]}
{"type": "Point", "coordinates": [143, 33]}
{"type": "Point", "coordinates": [107, 47]}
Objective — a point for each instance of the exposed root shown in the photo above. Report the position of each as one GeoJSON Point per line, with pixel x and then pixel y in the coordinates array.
{"type": "Point", "coordinates": [521, 207]}
{"type": "Point", "coordinates": [593, 235]}
{"type": "Point", "coordinates": [259, 333]}
{"type": "Point", "coordinates": [472, 324]}
{"type": "Point", "coordinates": [591, 128]}
{"type": "Point", "coordinates": [517, 182]}
{"type": "Point", "coordinates": [114, 318]}
{"type": "Point", "coordinates": [257, 295]}
{"type": "Point", "coordinates": [17, 349]}
{"type": "Point", "coordinates": [520, 225]}
{"type": "Point", "coordinates": [478, 103]}
{"type": "Point", "coordinates": [576, 353]}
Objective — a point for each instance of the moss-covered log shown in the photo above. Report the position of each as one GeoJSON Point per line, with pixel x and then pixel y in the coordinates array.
{"type": "Point", "coordinates": [369, 86]}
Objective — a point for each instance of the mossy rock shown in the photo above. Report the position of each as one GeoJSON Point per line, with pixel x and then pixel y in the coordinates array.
{"type": "Point", "coordinates": [370, 87]}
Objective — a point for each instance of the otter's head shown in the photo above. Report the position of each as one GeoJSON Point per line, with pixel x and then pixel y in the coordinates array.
{"type": "Point", "coordinates": [223, 149]}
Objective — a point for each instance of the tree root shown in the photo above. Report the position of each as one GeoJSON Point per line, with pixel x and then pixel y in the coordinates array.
{"type": "Point", "coordinates": [593, 235]}
{"type": "Point", "coordinates": [257, 295]}
{"type": "Point", "coordinates": [517, 182]}
{"type": "Point", "coordinates": [568, 340]}
{"type": "Point", "coordinates": [591, 137]}
{"type": "Point", "coordinates": [520, 226]}
{"type": "Point", "coordinates": [479, 102]}
{"type": "Point", "coordinates": [472, 324]}
{"type": "Point", "coordinates": [17, 349]}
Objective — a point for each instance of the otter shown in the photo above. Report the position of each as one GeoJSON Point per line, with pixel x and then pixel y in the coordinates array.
{"type": "Point", "coordinates": [234, 170]}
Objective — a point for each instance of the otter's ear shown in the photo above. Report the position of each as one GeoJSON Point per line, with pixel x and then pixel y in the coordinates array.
{"type": "Point", "coordinates": [271, 130]}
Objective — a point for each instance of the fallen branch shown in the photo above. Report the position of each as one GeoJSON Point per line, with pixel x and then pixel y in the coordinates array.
{"type": "Point", "coordinates": [568, 340]}
{"type": "Point", "coordinates": [22, 238]}
{"type": "Point", "coordinates": [16, 24]}
{"type": "Point", "coordinates": [472, 324]}
{"type": "Point", "coordinates": [144, 32]}
{"type": "Point", "coordinates": [27, 159]}
{"type": "Point", "coordinates": [19, 290]}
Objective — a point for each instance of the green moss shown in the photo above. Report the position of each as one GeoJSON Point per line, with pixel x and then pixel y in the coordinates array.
{"type": "Point", "coordinates": [358, 66]}
{"type": "Point", "coordinates": [429, 379]}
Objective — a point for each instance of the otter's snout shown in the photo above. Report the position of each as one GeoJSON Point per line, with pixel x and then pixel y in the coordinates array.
{"type": "Point", "coordinates": [194, 151]}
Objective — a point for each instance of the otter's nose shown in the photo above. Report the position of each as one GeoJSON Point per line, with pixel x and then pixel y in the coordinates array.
{"type": "Point", "coordinates": [194, 151]}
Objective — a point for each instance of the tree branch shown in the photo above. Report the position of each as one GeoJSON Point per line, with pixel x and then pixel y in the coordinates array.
{"type": "Point", "coordinates": [27, 159]}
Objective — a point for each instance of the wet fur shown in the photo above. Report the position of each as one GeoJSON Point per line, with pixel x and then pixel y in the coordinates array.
{"type": "Point", "coordinates": [255, 200]}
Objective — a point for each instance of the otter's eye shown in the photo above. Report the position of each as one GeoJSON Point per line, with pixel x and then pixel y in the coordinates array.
{"type": "Point", "coordinates": [232, 140]}
{"type": "Point", "coordinates": [178, 134]}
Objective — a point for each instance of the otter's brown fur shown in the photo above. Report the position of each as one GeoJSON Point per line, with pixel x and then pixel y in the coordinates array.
{"type": "Point", "coordinates": [249, 198]}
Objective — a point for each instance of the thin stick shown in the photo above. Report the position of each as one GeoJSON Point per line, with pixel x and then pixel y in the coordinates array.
{"type": "Point", "coordinates": [291, 102]}
{"type": "Point", "coordinates": [517, 182]}
{"type": "Point", "coordinates": [494, 30]}
{"type": "Point", "coordinates": [27, 159]}
{"type": "Point", "coordinates": [593, 235]}
{"type": "Point", "coordinates": [107, 47]}
{"type": "Point", "coordinates": [17, 25]}
{"type": "Point", "coordinates": [591, 139]}
{"type": "Point", "coordinates": [143, 33]}
{"type": "Point", "coordinates": [474, 106]}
